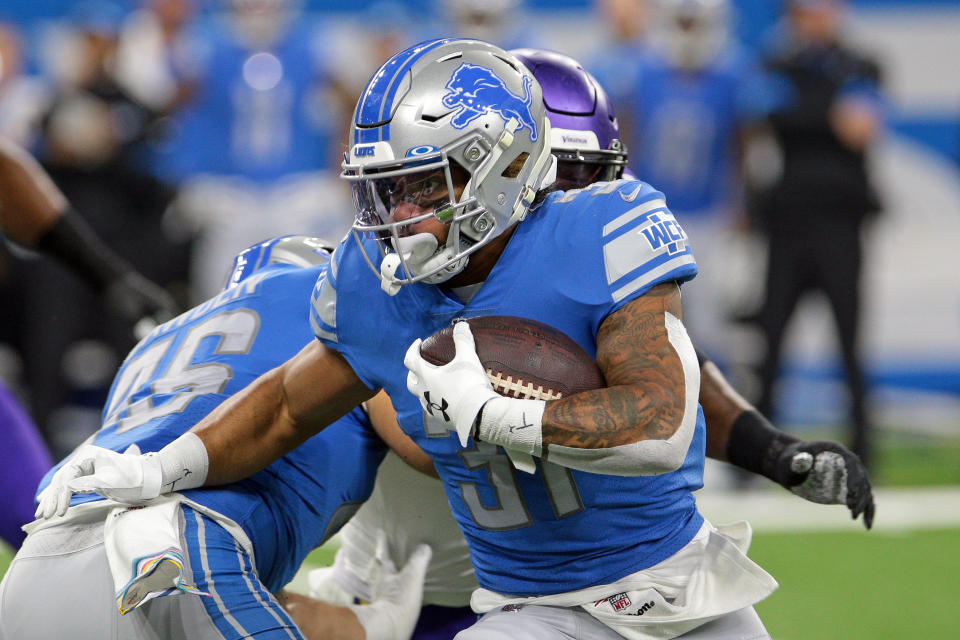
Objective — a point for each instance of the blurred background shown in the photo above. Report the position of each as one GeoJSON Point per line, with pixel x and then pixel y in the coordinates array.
{"type": "Point", "coordinates": [810, 148]}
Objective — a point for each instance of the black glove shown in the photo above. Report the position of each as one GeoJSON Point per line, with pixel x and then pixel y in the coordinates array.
{"type": "Point", "coordinates": [128, 294]}
{"type": "Point", "coordinates": [820, 471]}
{"type": "Point", "coordinates": [827, 473]}
{"type": "Point", "coordinates": [133, 297]}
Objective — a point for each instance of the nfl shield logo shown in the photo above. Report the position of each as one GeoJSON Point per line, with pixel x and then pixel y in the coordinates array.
{"type": "Point", "coordinates": [619, 602]}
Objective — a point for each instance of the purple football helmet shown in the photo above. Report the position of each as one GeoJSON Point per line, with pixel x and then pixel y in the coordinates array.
{"type": "Point", "coordinates": [585, 136]}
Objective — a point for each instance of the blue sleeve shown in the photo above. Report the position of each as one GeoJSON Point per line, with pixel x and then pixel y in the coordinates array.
{"type": "Point", "coordinates": [642, 244]}
{"type": "Point", "coordinates": [323, 316]}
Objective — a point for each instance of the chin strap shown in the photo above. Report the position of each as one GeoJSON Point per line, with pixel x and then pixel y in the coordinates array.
{"type": "Point", "coordinates": [416, 253]}
{"type": "Point", "coordinates": [544, 173]}
{"type": "Point", "coordinates": [388, 267]}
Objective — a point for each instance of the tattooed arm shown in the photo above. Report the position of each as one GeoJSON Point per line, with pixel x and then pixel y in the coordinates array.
{"type": "Point", "coordinates": [640, 424]}
{"type": "Point", "coordinates": [643, 421]}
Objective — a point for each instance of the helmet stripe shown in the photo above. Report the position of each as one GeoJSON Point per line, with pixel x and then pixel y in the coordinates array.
{"type": "Point", "coordinates": [377, 100]}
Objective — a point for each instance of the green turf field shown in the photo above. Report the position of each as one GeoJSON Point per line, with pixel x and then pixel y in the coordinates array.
{"type": "Point", "coordinates": [847, 586]}
{"type": "Point", "coordinates": [871, 585]}
{"type": "Point", "coordinates": [853, 585]}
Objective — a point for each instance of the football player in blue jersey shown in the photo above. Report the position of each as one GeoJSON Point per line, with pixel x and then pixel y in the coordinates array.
{"type": "Point", "coordinates": [450, 159]}
{"type": "Point", "coordinates": [411, 507]}
{"type": "Point", "coordinates": [236, 544]}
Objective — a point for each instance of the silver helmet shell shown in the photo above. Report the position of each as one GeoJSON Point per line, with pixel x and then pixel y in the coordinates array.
{"type": "Point", "coordinates": [300, 251]}
{"type": "Point", "coordinates": [440, 104]}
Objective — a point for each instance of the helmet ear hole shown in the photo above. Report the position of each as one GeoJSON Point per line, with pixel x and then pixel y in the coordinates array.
{"type": "Point", "coordinates": [516, 166]}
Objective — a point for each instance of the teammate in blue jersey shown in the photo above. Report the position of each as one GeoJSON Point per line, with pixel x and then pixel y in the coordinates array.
{"type": "Point", "coordinates": [691, 94]}
{"type": "Point", "coordinates": [257, 108]}
{"type": "Point", "coordinates": [449, 152]}
{"type": "Point", "coordinates": [237, 544]}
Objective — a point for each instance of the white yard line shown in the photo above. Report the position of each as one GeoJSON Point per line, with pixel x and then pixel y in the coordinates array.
{"type": "Point", "coordinates": [778, 511]}
{"type": "Point", "coordinates": [775, 510]}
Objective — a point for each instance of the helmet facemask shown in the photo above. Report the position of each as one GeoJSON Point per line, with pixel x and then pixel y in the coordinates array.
{"type": "Point", "coordinates": [393, 200]}
{"type": "Point", "coordinates": [440, 154]}
{"type": "Point", "coordinates": [584, 134]}
{"type": "Point", "coordinates": [577, 168]}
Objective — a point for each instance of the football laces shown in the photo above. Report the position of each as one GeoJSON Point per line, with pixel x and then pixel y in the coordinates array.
{"type": "Point", "coordinates": [521, 389]}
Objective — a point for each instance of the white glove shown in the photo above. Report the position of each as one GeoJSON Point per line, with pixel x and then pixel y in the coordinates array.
{"type": "Point", "coordinates": [455, 392]}
{"type": "Point", "coordinates": [86, 460]}
{"type": "Point", "coordinates": [126, 477]}
{"type": "Point", "coordinates": [324, 586]}
{"type": "Point", "coordinates": [398, 597]}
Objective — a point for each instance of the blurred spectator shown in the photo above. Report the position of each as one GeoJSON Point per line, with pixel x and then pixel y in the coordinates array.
{"type": "Point", "coordinates": [501, 22]}
{"type": "Point", "coordinates": [256, 142]}
{"type": "Point", "coordinates": [22, 97]}
{"type": "Point", "coordinates": [692, 96]}
{"type": "Point", "coordinates": [151, 54]}
{"type": "Point", "coordinates": [91, 143]}
{"type": "Point", "coordinates": [828, 115]}
{"type": "Point", "coordinates": [385, 27]}
{"type": "Point", "coordinates": [614, 62]}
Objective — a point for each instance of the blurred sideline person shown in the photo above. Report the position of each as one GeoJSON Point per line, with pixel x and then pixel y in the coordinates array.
{"type": "Point", "coordinates": [828, 114]}
{"type": "Point", "coordinates": [36, 215]}
{"type": "Point", "coordinates": [614, 59]}
{"type": "Point", "coordinates": [91, 142]}
{"type": "Point", "coordinates": [255, 140]}
{"type": "Point", "coordinates": [582, 547]}
{"type": "Point", "coordinates": [412, 508]}
{"type": "Point", "coordinates": [692, 96]}
{"type": "Point", "coordinates": [227, 548]}
{"type": "Point", "coordinates": [151, 53]}
{"type": "Point", "coordinates": [500, 21]}
{"type": "Point", "coordinates": [23, 95]}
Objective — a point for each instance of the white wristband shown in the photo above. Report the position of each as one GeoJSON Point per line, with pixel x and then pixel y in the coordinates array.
{"type": "Point", "coordinates": [376, 619]}
{"type": "Point", "coordinates": [515, 424]}
{"type": "Point", "coordinates": [183, 463]}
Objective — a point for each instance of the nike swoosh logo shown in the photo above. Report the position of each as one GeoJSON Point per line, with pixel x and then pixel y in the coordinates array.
{"type": "Point", "coordinates": [631, 196]}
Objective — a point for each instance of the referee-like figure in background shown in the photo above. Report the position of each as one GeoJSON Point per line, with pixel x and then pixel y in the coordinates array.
{"type": "Point", "coordinates": [827, 114]}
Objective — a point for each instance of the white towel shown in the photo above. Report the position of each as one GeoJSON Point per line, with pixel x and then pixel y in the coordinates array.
{"type": "Point", "coordinates": [708, 578]}
{"type": "Point", "coordinates": [144, 551]}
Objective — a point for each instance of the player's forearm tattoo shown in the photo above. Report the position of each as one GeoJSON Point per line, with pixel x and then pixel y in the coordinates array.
{"type": "Point", "coordinates": [644, 398]}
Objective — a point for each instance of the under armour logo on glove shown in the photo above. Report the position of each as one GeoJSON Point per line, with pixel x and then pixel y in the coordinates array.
{"type": "Point", "coordinates": [461, 385]}
{"type": "Point", "coordinates": [442, 407]}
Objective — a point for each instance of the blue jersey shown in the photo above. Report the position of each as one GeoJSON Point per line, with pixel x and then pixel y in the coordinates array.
{"type": "Point", "coordinates": [574, 260]}
{"type": "Point", "coordinates": [685, 124]}
{"type": "Point", "coordinates": [188, 366]}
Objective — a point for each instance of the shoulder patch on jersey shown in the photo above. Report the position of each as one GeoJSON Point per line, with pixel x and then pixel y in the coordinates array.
{"type": "Point", "coordinates": [643, 245]}
{"type": "Point", "coordinates": [323, 308]}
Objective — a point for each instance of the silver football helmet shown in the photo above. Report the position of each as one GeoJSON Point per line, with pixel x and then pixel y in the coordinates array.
{"type": "Point", "coordinates": [300, 251]}
{"type": "Point", "coordinates": [452, 130]}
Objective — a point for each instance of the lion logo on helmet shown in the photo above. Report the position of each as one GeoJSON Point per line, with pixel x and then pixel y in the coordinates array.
{"type": "Point", "coordinates": [476, 90]}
